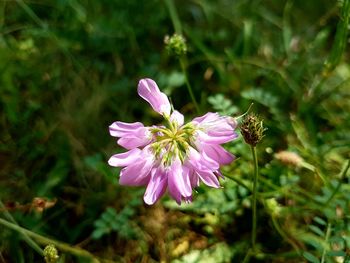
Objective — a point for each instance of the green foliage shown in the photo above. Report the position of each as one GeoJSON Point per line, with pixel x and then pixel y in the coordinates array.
{"type": "Point", "coordinates": [70, 68]}
{"type": "Point", "coordinates": [222, 105]}
{"type": "Point", "coordinates": [220, 253]}
{"type": "Point", "coordinates": [111, 221]}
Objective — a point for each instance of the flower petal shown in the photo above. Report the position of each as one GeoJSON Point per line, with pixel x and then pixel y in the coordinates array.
{"type": "Point", "coordinates": [204, 167]}
{"type": "Point", "coordinates": [120, 129]}
{"type": "Point", "coordinates": [133, 142]}
{"type": "Point", "coordinates": [177, 117]}
{"type": "Point", "coordinates": [138, 172]}
{"type": "Point", "coordinates": [150, 92]}
{"type": "Point", "coordinates": [217, 153]}
{"type": "Point", "coordinates": [216, 139]}
{"type": "Point", "coordinates": [210, 116]}
{"type": "Point", "coordinates": [156, 186]}
{"type": "Point", "coordinates": [209, 178]}
{"type": "Point", "coordinates": [178, 181]}
{"type": "Point", "coordinates": [125, 159]}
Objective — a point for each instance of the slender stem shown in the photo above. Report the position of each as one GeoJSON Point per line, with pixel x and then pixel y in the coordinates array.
{"type": "Point", "coordinates": [328, 232]}
{"type": "Point", "coordinates": [174, 16]}
{"type": "Point", "coordinates": [284, 235]}
{"type": "Point", "coordinates": [188, 85]}
{"type": "Point", "coordinates": [44, 240]}
{"type": "Point", "coordinates": [255, 186]}
{"type": "Point", "coordinates": [247, 256]}
{"type": "Point", "coordinates": [337, 188]}
{"type": "Point", "coordinates": [289, 194]}
{"type": "Point", "coordinates": [237, 181]}
{"type": "Point", "coordinates": [26, 238]}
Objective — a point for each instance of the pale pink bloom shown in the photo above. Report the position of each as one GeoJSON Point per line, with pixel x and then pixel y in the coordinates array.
{"type": "Point", "coordinates": [149, 91]}
{"type": "Point", "coordinates": [174, 158]}
{"type": "Point", "coordinates": [131, 135]}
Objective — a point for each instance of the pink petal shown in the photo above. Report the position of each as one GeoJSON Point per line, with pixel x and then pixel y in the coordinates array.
{"type": "Point", "coordinates": [215, 125]}
{"type": "Point", "coordinates": [201, 162]}
{"type": "Point", "coordinates": [120, 129]}
{"type": "Point", "coordinates": [150, 92]}
{"type": "Point", "coordinates": [217, 153]}
{"type": "Point", "coordinates": [124, 159]}
{"type": "Point", "coordinates": [136, 174]}
{"type": "Point", "coordinates": [209, 162]}
{"type": "Point", "coordinates": [202, 167]}
{"type": "Point", "coordinates": [215, 139]}
{"type": "Point", "coordinates": [177, 117]}
{"type": "Point", "coordinates": [156, 186]}
{"type": "Point", "coordinates": [209, 178]}
{"type": "Point", "coordinates": [178, 181]}
{"type": "Point", "coordinates": [133, 142]}
{"type": "Point", "coordinates": [210, 116]}
{"type": "Point", "coordinates": [132, 134]}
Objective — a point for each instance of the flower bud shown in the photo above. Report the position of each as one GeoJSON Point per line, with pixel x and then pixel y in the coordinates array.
{"type": "Point", "coordinates": [175, 45]}
{"type": "Point", "coordinates": [50, 254]}
{"type": "Point", "coordinates": [252, 129]}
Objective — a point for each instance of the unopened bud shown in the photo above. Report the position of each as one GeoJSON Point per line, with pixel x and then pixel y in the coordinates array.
{"type": "Point", "coordinates": [252, 129]}
{"type": "Point", "coordinates": [50, 254]}
{"type": "Point", "coordinates": [175, 45]}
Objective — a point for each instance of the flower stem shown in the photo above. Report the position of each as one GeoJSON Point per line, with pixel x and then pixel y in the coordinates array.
{"type": "Point", "coordinates": [255, 186]}
{"type": "Point", "coordinates": [44, 240]}
{"type": "Point", "coordinates": [328, 232]}
{"type": "Point", "coordinates": [26, 238]}
{"type": "Point", "coordinates": [237, 181]}
{"type": "Point", "coordinates": [283, 234]}
{"type": "Point", "coordinates": [188, 85]}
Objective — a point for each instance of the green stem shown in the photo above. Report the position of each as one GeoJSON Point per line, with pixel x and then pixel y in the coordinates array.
{"type": "Point", "coordinates": [178, 29]}
{"type": "Point", "coordinates": [174, 16]}
{"type": "Point", "coordinates": [247, 256]}
{"type": "Point", "coordinates": [237, 181]}
{"type": "Point", "coordinates": [26, 238]}
{"type": "Point", "coordinates": [283, 234]}
{"type": "Point", "coordinates": [336, 190]}
{"type": "Point", "coordinates": [255, 186]}
{"type": "Point", "coordinates": [188, 85]}
{"type": "Point", "coordinates": [44, 240]}
{"type": "Point", "coordinates": [328, 232]}
{"type": "Point", "coordinates": [289, 194]}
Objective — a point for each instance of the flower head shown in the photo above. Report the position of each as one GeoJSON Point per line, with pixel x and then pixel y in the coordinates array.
{"type": "Point", "coordinates": [50, 254]}
{"type": "Point", "coordinates": [176, 44]}
{"type": "Point", "coordinates": [252, 129]}
{"type": "Point", "coordinates": [175, 158]}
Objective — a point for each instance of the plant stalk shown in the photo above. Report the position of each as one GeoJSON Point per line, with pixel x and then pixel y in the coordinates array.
{"type": "Point", "coordinates": [44, 240]}
{"type": "Point", "coordinates": [255, 187]}
{"type": "Point", "coordinates": [188, 85]}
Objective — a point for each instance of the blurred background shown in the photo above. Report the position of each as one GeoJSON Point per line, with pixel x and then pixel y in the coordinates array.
{"type": "Point", "coordinates": [69, 68]}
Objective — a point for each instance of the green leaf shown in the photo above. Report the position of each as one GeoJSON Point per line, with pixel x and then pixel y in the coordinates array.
{"type": "Point", "coordinates": [320, 221]}
{"type": "Point", "coordinates": [310, 257]}
{"type": "Point", "coordinates": [316, 230]}
{"type": "Point", "coordinates": [338, 253]}
{"type": "Point", "coordinates": [99, 232]}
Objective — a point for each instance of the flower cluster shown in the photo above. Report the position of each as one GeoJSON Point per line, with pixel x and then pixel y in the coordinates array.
{"type": "Point", "coordinates": [174, 158]}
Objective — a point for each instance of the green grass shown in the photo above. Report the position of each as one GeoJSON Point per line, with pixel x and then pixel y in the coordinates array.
{"type": "Point", "coordinates": [68, 69]}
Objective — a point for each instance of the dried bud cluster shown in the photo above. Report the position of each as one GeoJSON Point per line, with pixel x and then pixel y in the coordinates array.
{"type": "Point", "coordinates": [252, 129]}
{"type": "Point", "coordinates": [50, 254]}
{"type": "Point", "coordinates": [175, 45]}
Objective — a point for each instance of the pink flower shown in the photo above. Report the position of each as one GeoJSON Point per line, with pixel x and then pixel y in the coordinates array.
{"type": "Point", "coordinates": [174, 158]}
{"type": "Point", "coordinates": [149, 91]}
